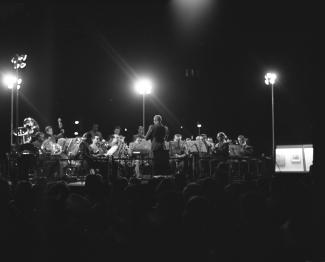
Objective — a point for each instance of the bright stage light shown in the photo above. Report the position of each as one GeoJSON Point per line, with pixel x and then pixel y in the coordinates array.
{"type": "Point", "coordinates": [76, 122]}
{"type": "Point", "coordinates": [270, 78]}
{"type": "Point", "coordinates": [199, 125]}
{"type": "Point", "coordinates": [10, 80]}
{"type": "Point", "coordinates": [143, 86]}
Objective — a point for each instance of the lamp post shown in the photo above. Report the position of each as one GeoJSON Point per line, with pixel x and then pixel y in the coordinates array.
{"type": "Point", "coordinates": [19, 61]}
{"type": "Point", "coordinates": [270, 80]}
{"type": "Point", "coordinates": [143, 87]}
{"type": "Point", "coordinates": [10, 81]}
{"type": "Point", "coordinates": [199, 127]}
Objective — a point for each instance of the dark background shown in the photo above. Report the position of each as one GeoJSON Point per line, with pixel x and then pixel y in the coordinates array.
{"type": "Point", "coordinates": [84, 58]}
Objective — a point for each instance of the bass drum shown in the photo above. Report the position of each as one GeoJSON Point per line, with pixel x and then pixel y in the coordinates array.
{"type": "Point", "coordinates": [28, 149]}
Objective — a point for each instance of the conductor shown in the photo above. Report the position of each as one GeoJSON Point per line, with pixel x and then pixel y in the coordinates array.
{"type": "Point", "coordinates": [158, 134]}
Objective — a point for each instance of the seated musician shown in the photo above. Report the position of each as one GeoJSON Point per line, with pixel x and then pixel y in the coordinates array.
{"type": "Point", "coordinates": [245, 149]}
{"type": "Point", "coordinates": [221, 149]}
{"type": "Point", "coordinates": [53, 151]}
{"type": "Point", "coordinates": [178, 153]}
{"type": "Point", "coordinates": [139, 134]}
{"type": "Point", "coordinates": [94, 146]}
{"type": "Point", "coordinates": [39, 139]}
{"type": "Point", "coordinates": [205, 153]}
{"type": "Point", "coordinates": [95, 131]}
{"type": "Point", "coordinates": [85, 153]}
{"type": "Point", "coordinates": [136, 162]}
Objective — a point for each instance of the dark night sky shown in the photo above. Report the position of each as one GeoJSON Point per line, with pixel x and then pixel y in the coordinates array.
{"type": "Point", "coordinates": [83, 59]}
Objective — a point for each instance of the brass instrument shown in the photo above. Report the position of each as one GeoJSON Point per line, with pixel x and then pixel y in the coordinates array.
{"type": "Point", "coordinates": [50, 147]}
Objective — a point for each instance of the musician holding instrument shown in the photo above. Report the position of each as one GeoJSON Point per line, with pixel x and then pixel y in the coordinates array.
{"type": "Point", "coordinates": [139, 134]}
{"type": "Point", "coordinates": [178, 153]}
{"type": "Point", "coordinates": [245, 149]}
{"type": "Point", "coordinates": [221, 149]}
{"type": "Point", "coordinates": [39, 139]}
{"type": "Point", "coordinates": [85, 153]}
{"type": "Point", "coordinates": [95, 131]}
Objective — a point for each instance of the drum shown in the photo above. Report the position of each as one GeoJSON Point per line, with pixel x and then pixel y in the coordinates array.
{"type": "Point", "coordinates": [28, 149]}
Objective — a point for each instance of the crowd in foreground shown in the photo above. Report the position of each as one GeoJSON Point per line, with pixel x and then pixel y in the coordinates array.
{"type": "Point", "coordinates": [165, 219]}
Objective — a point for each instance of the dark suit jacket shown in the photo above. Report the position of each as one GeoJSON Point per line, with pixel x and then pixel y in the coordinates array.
{"type": "Point", "coordinates": [158, 134]}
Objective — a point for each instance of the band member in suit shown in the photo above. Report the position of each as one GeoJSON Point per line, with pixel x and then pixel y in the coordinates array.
{"type": "Point", "coordinates": [158, 134]}
{"type": "Point", "coordinates": [246, 150]}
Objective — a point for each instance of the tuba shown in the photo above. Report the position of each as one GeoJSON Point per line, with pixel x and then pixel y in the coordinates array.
{"type": "Point", "coordinates": [50, 147]}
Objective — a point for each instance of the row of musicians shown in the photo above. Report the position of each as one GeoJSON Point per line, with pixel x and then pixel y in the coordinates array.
{"type": "Point", "coordinates": [179, 147]}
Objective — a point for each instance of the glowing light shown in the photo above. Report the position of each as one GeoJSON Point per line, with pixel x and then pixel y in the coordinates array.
{"type": "Point", "coordinates": [76, 133]}
{"type": "Point", "coordinates": [199, 125]}
{"type": "Point", "coordinates": [18, 87]}
{"type": "Point", "coordinates": [125, 129]}
{"type": "Point", "coordinates": [270, 78]}
{"type": "Point", "coordinates": [76, 122]}
{"type": "Point", "coordinates": [181, 127]}
{"type": "Point", "coordinates": [143, 86]}
{"type": "Point", "coordinates": [9, 80]}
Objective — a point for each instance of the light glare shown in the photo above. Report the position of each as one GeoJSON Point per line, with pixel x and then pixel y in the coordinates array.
{"type": "Point", "coordinates": [270, 78]}
{"type": "Point", "coordinates": [10, 80]}
{"type": "Point", "coordinates": [143, 86]}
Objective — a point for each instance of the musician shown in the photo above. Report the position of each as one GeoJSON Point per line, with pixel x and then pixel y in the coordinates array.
{"type": "Point", "coordinates": [139, 134]}
{"type": "Point", "coordinates": [113, 139]}
{"type": "Point", "coordinates": [158, 134]}
{"type": "Point", "coordinates": [85, 152]}
{"type": "Point", "coordinates": [94, 146]}
{"type": "Point", "coordinates": [95, 132]}
{"type": "Point", "coordinates": [177, 150]}
{"type": "Point", "coordinates": [221, 149]}
{"type": "Point", "coordinates": [32, 129]}
{"type": "Point", "coordinates": [136, 163]}
{"type": "Point", "coordinates": [246, 150]}
{"type": "Point", "coordinates": [39, 139]}
{"type": "Point", "coordinates": [54, 167]}
{"type": "Point", "coordinates": [49, 134]}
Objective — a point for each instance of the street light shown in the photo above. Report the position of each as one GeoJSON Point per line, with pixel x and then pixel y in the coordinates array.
{"type": "Point", "coordinates": [19, 61]}
{"type": "Point", "coordinates": [270, 80]}
{"type": "Point", "coordinates": [10, 80]}
{"type": "Point", "coordinates": [143, 87]}
{"type": "Point", "coordinates": [199, 127]}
